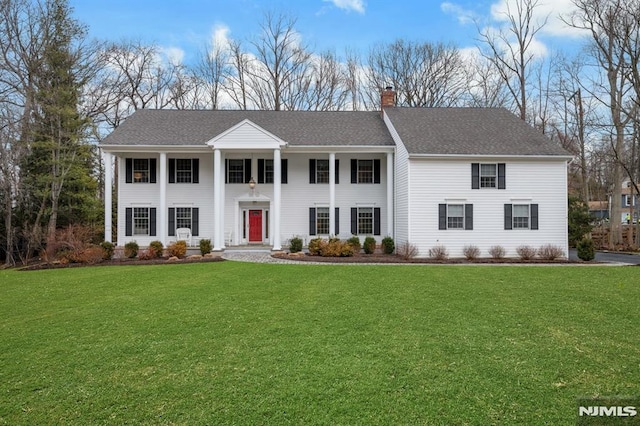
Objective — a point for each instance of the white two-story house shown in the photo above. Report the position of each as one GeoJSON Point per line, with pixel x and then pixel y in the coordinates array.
{"type": "Point", "coordinates": [425, 176]}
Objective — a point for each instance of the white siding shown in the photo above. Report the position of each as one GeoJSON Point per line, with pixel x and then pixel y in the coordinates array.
{"type": "Point", "coordinates": [178, 195]}
{"type": "Point", "coordinates": [401, 187]}
{"type": "Point", "coordinates": [527, 182]}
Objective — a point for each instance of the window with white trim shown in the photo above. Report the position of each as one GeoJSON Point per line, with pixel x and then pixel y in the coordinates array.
{"type": "Point", "coordinates": [365, 220]}
{"type": "Point", "coordinates": [184, 170]}
{"type": "Point", "coordinates": [365, 171]}
{"type": "Point", "coordinates": [322, 171]}
{"type": "Point", "coordinates": [235, 171]}
{"type": "Point", "coordinates": [140, 221]}
{"type": "Point", "coordinates": [322, 221]}
{"type": "Point", "coordinates": [521, 215]}
{"type": "Point", "coordinates": [141, 170]}
{"type": "Point", "coordinates": [455, 216]}
{"type": "Point", "coordinates": [488, 175]}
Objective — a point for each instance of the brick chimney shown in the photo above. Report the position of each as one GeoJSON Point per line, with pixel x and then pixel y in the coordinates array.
{"type": "Point", "coordinates": [388, 98]}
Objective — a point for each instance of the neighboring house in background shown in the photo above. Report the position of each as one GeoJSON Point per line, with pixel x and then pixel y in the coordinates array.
{"type": "Point", "coordinates": [628, 203]}
{"type": "Point", "coordinates": [425, 176]}
{"type": "Point", "coordinates": [599, 210]}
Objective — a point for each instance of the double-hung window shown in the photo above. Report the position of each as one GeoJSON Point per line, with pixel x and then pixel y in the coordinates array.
{"type": "Point", "coordinates": [319, 171]}
{"type": "Point", "coordinates": [183, 217]}
{"type": "Point", "coordinates": [184, 170]}
{"type": "Point", "coordinates": [365, 171]}
{"type": "Point", "coordinates": [455, 216]}
{"type": "Point", "coordinates": [235, 171]}
{"type": "Point", "coordinates": [319, 222]}
{"type": "Point", "coordinates": [140, 221]}
{"type": "Point", "coordinates": [520, 216]}
{"type": "Point", "coordinates": [365, 220]}
{"type": "Point", "coordinates": [266, 170]}
{"type": "Point", "coordinates": [488, 175]}
{"type": "Point", "coordinates": [140, 170]}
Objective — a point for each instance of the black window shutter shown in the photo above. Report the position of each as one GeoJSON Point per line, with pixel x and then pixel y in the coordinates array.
{"type": "Point", "coordinates": [442, 216]}
{"type": "Point", "coordinates": [226, 170]}
{"type": "Point", "coordinates": [376, 171]}
{"type": "Point", "coordinates": [337, 221]}
{"type": "Point", "coordinates": [284, 170]}
{"type": "Point", "coordinates": [312, 171]}
{"type": "Point", "coordinates": [129, 170]}
{"type": "Point", "coordinates": [195, 216]}
{"type": "Point", "coordinates": [376, 220]}
{"type": "Point", "coordinates": [172, 222]}
{"type": "Point", "coordinates": [534, 216]}
{"type": "Point", "coordinates": [152, 221]}
{"type": "Point", "coordinates": [312, 221]}
{"type": "Point", "coordinates": [468, 217]}
{"type": "Point", "coordinates": [354, 170]}
{"type": "Point", "coordinates": [337, 163]}
{"type": "Point", "coordinates": [475, 175]}
{"type": "Point", "coordinates": [260, 170]}
{"type": "Point", "coordinates": [508, 218]}
{"type": "Point", "coordinates": [195, 170]}
{"type": "Point", "coordinates": [354, 220]}
{"type": "Point", "coordinates": [152, 170]}
{"type": "Point", "coordinates": [128, 227]}
{"type": "Point", "coordinates": [502, 183]}
{"type": "Point", "coordinates": [172, 170]}
{"type": "Point", "coordinates": [247, 170]}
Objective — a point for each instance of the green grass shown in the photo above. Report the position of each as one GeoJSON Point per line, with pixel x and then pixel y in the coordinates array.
{"type": "Point", "coordinates": [233, 343]}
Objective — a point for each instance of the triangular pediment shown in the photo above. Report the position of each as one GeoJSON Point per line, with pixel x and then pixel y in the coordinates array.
{"type": "Point", "coordinates": [246, 135]}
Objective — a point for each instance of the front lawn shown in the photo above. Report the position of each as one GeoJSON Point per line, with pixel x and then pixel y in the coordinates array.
{"type": "Point", "coordinates": [235, 343]}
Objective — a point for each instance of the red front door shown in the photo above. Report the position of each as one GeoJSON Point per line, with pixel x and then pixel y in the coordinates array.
{"type": "Point", "coordinates": [255, 226]}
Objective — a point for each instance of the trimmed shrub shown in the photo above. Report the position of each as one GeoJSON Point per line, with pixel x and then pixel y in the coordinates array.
{"type": "Point", "coordinates": [178, 249]}
{"type": "Point", "coordinates": [438, 253]}
{"type": "Point", "coordinates": [295, 245]}
{"type": "Point", "coordinates": [586, 249]}
{"type": "Point", "coordinates": [354, 241]}
{"type": "Point", "coordinates": [497, 252]}
{"type": "Point", "coordinates": [131, 249]}
{"type": "Point", "coordinates": [388, 246]}
{"type": "Point", "coordinates": [526, 252]}
{"type": "Point", "coordinates": [156, 248]}
{"type": "Point", "coordinates": [205, 247]}
{"type": "Point", "coordinates": [369, 245]}
{"type": "Point", "coordinates": [471, 252]}
{"type": "Point", "coordinates": [336, 248]}
{"type": "Point", "coordinates": [407, 251]}
{"type": "Point", "coordinates": [315, 246]}
{"type": "Point", "coordinates": [550, 252]}
{"type": "Point", "coordinates": [107, 250]}
{"type": "Point", "coordinates": [147, 254]}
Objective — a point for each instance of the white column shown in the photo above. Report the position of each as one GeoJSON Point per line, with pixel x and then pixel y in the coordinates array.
{"type": "Point", "coordinates": [162, 214]}
{"type": "Point", "coordinates": [332, 192]}
{"type": "Point", "coordinates": [108, 188]}
{"type": "Point", "coordinates": [223, 198]}
{"type": "Point", "coordinates": [277, 183]}
{"type": "Point", "coordinates": [390, 195]}
{"type": "Point", "coordinates": [218, 181]}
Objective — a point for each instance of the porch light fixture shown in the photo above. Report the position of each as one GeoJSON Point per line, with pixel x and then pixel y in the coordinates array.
{"type": "Point", "coordinates": [252, 184]}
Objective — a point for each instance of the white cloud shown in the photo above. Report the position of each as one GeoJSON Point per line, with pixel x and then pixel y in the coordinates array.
{"type": "Point", "coordinates": [348, 5]}
{"type": "Point", "coordinates": [220, 36]}
{"type": "Point", "coordinates": [174, 55]}
{"type": "Point", "coordinates": [464, 16]}
{"type": "Point", "coordinates": [551, 10]}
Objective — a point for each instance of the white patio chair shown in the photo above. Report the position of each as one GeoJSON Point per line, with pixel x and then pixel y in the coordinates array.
{"type": "Point", "coordinates": [184, 234]}
{"type": "Point", "coordinates": [228, 237]}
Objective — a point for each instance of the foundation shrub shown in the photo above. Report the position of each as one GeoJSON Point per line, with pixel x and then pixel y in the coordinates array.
{"type": "Point", "coordinates": [438, 252]}
{"type": "Point", "coordinates": [407, 251]}
{"type": "Point", "coordinates": [156, 249]}
{"type": "Point", "coordinates": [315, 246]}
{"type": "Point", "coordinates": [369, 245]}
{"type": "Point", "coordinates": [388, 246]}
{"type": "Point", "coordinates": [354, 241]}
{"type": "Point", "coordinates": [471, 252]}
{"type": "Point", "coordinates": [586, 249]}
{"type": "Point", "coordinates": [550, 252]}
{"type": "Point", "coordinates": [295, 245]}
{"type": "Point", "coordinates": [205, 246]}
{"type": "Point", "coordinates": [526, 252]}
{"type": "Point", "coordinates": [497, 252]}
{"type": "Point", "coordinates": [177, 249]}
{"type": "Point", "coordinates": [107, 250]}
{"type": "Point", "coordinates": [131, 249]}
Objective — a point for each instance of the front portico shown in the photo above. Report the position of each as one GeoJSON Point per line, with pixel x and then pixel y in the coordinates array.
{"type": "Point", "coordinates": [246, 138]}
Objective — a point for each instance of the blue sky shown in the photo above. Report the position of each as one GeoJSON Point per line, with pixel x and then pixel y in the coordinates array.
{"type": "Point", "coordinates": [184, 26]}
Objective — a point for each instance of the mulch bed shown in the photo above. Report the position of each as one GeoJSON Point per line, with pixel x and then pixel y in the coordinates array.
{"type": "Point", "coordinates": [391, 258]}
{"type": "Point", "coordinates": [116, 262]}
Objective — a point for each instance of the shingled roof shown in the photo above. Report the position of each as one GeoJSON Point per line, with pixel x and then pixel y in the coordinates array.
{"type": "Point", "coordinates": [298, 128]}
{"type": "Point", "coordinates": [432, 131]}
{"type": "Point", "coordinates": [469, 131]}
